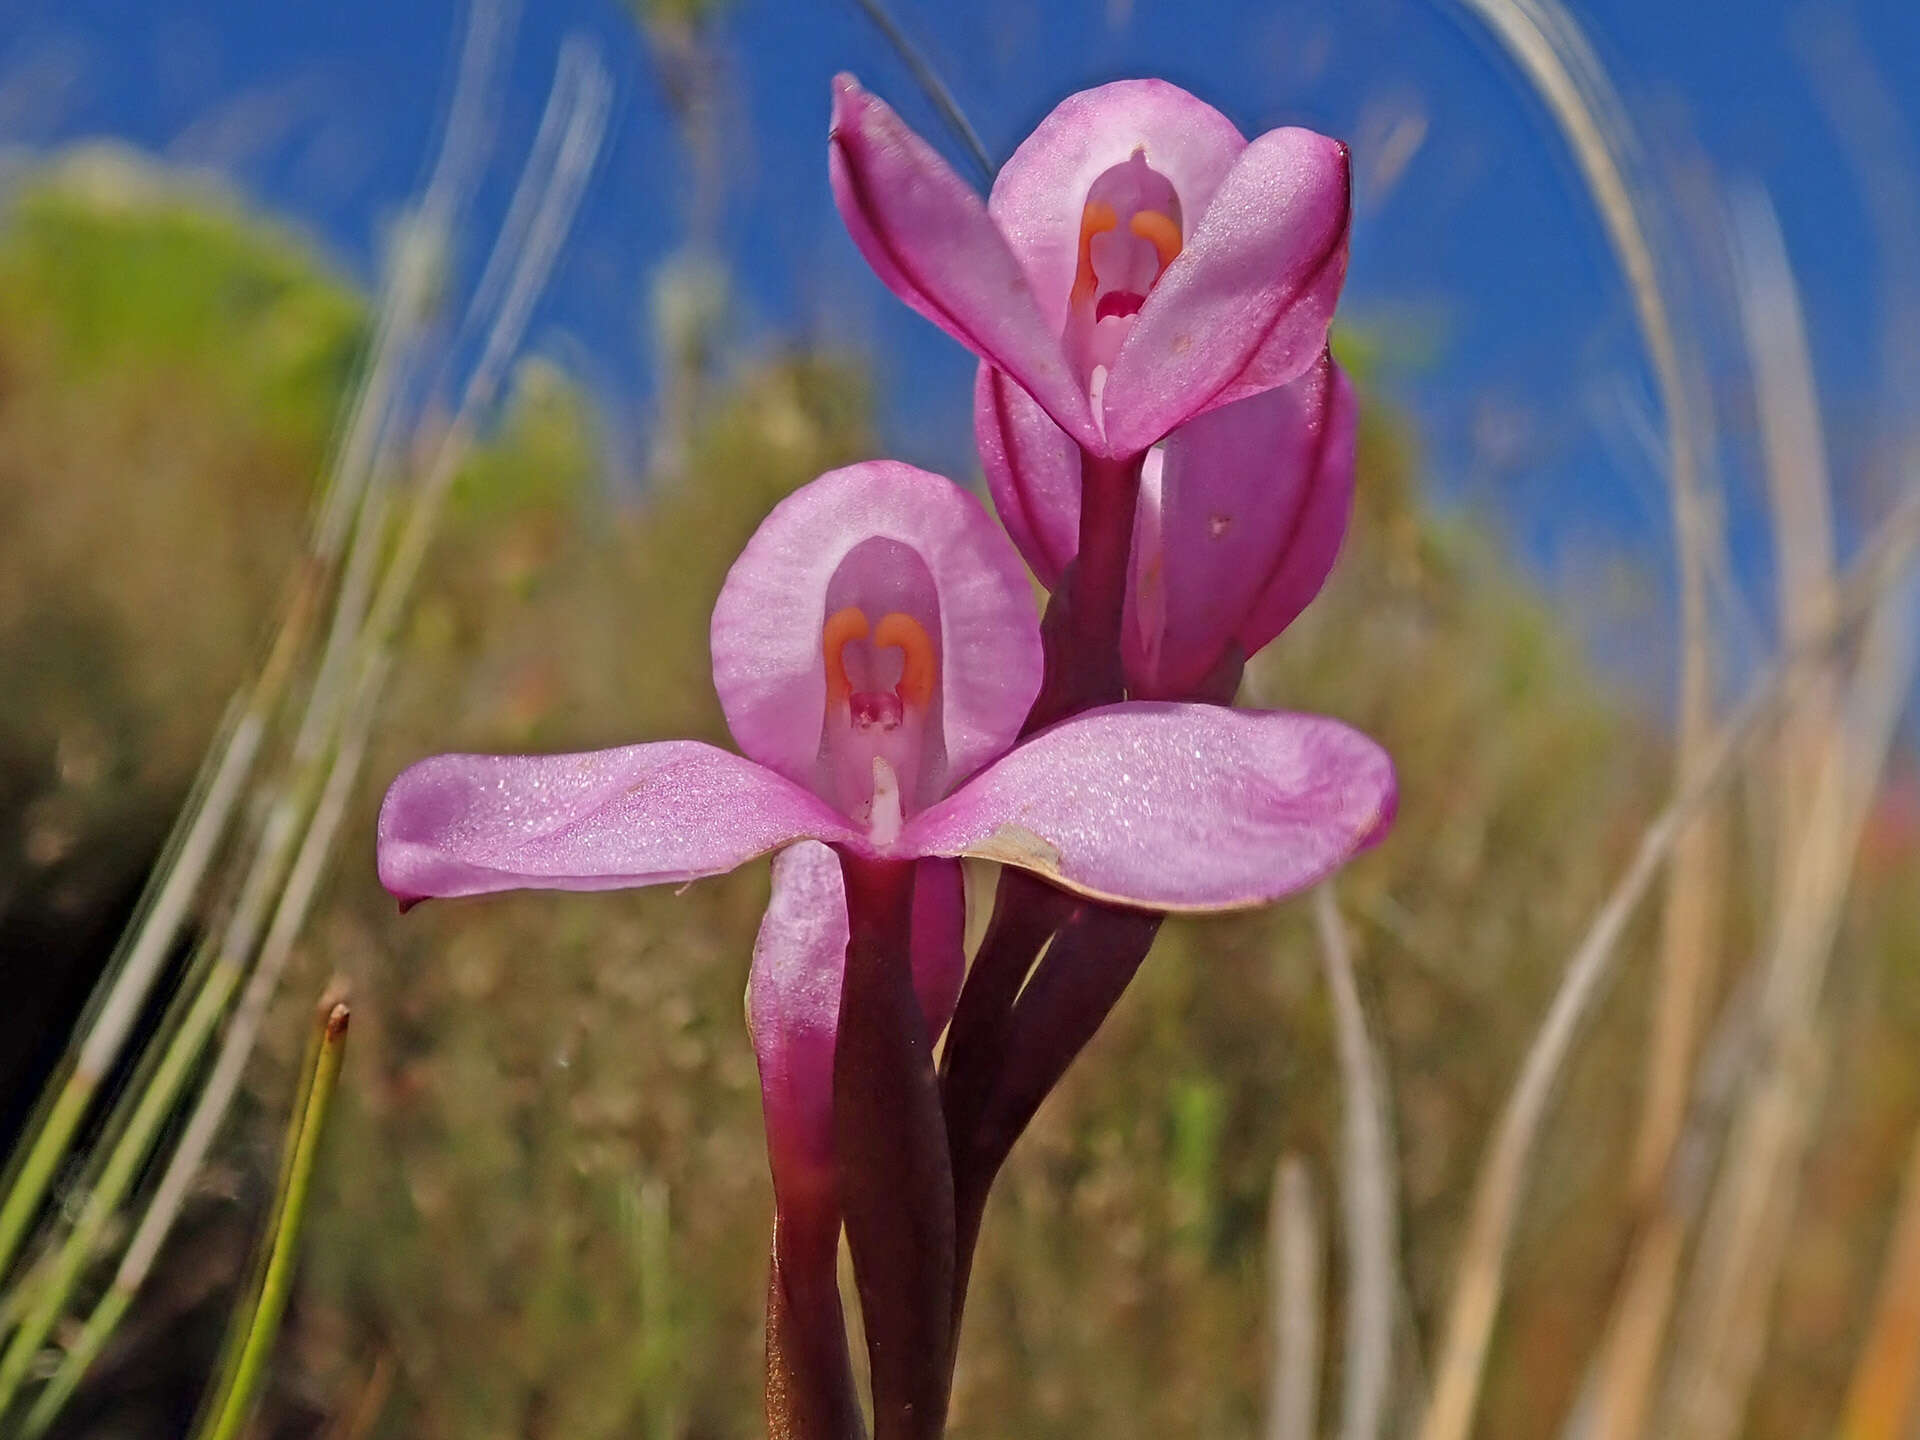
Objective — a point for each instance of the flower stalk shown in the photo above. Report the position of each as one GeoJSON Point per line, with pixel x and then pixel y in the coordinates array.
{"type": "Point", "coordinates": [895, 1179]}
{"type": "Point", "coordinates": [1083, 664]}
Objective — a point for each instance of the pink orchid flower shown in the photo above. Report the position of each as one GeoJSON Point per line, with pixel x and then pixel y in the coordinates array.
{"type": "Point", "coordinates": [1239, 519]}
{"type": "Point", "coordinates": [1138, 263]}
{"type": "Point", "coordinates": [876, 651]}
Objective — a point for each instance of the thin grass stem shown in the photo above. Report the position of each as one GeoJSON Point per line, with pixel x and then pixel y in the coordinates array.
{"type": "Point", "coordinates": [171, 891]}
{"type": "Point", "coordinates": [583, 89]}
{"type": "Point", "coordinates": [50, 1299]}
{"type": "Point", "coordinates": [178, 876]}
{"type": "Point", "coordinates": [263, 1327]}
{"type": "Point", "coordinates": [930, 83]}
{"type": "Point", "coordinates": [1370, 1213]}
{"type": "Point", "coordinates": [1296, 1261]}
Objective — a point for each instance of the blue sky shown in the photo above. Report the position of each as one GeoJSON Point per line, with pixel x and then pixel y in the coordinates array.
{"type": "Point", "coordinates": [1477, 261]}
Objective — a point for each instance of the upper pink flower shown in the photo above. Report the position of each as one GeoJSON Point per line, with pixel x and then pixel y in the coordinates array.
{"type": "Point", "coordinates": [1138, 263]}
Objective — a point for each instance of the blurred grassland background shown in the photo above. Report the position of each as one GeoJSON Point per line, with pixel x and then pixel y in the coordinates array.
{"type": "Point", "coordinates": [544, 1203]}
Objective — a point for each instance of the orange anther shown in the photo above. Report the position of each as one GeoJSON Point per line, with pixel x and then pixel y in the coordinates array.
{"type": "Point", "coordinates": [917, 674]}
{"type": "Point", "coordinates": [1096, 219]}
{"type": "Point", "coordinates": [1158, 230]}
{"type": "Point", "coordinates": [842, 627]}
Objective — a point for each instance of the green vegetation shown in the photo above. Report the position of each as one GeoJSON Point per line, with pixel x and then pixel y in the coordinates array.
{"type": "Point", "coordinates": [545, 1203]}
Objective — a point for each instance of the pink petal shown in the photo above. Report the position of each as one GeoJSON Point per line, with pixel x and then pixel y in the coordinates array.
{"type": "Point", "coordinates": [608, 819]}
{"type": "Point", "coordinates": [767, 623]}
{"type": "Point", "coordinates": [939, 940]}
{"type": "Point", "coordinates": [1173, 807]}
{"type": "Point", "coordinates": [793, 1012]}
{"type": "Point", "coordinates": [1241, 529]}
{"type": "Point", "coordinates": [1245, 305]}
{"type": "Point", "coordinates": [1307, 559]}
{"type": "Point", "coordinates": [929, 239]}
{"type": "Point", "coordinates": [1033, 473]}
{"type": "Point", "coordinates": [1040, 192]}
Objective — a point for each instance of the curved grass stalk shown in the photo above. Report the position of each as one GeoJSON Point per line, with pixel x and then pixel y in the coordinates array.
{"type": "Point", "coordinates": [1550, 47]}
{"type": "Point", "coordinates": [1798, 488]}
{"type": "Point", "coordinates": [1556, 58]}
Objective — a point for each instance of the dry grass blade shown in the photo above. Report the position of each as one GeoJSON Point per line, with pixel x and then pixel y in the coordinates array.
{"type": "Point", "coordinates": [1787, 402]}
{"type": "Point", "coordinates": [1368, 1190]}
{"type": "Point", "coordinates": [1880, 1399]}
{"type": "Point", "coordinates": [1799, 493]}
{"type": "Point", "coordinates": [1748, 1223]}
{"type": "Point", "coordinates": [1798, 490]}
{"type": "Point", "coordinates": [1556, 57]}
{"type": "Point", "coordinates": [1296, 1250]}
{"type": "Point", "coordinates": [1481, 1271]}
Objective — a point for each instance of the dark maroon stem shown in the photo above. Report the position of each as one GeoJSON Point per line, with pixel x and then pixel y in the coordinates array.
{"type": "Point", "coordinates": [1092, 960]}
{"type": "Point", "coordinates": [1026, 912]}
{"type": "Point", "coordinates": [1083, 655]}
{"type": "Point", "coordinates": [1082, 631]}
{"type": "Point", "coordinates": [810, 1388]}
{"type": "Point", "coordinates": [890, 1153]}
{"type": "Point", "coordinates": [1088, 967]}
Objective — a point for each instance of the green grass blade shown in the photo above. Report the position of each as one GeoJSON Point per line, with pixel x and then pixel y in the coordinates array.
{"type": "Point", "coordinates": [229, 1414]}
